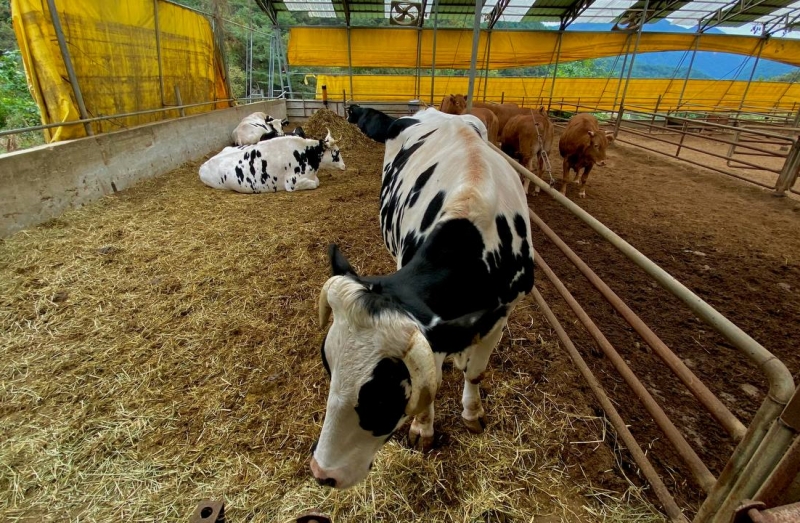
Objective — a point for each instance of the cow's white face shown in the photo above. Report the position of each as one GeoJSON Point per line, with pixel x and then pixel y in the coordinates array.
{"type": "Point", "coordinates": [381, 370]}
{"type": "Point", "coordinates": [332, 156]}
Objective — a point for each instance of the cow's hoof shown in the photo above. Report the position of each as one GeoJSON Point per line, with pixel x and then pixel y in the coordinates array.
{"type": "Point", "coordinates": [582, 194]}
{"type": "Point", "coordinates": [419, 442]}
{"type": "Point", "coordinates": [476, 426]}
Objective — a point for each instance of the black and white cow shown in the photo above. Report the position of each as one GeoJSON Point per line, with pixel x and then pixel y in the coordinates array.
{"type": "Point", "coordinates": [257, 127]}
{"type": "Point", "coordinates": [298, 131]}
{"type": "Point", "coordinates": [288, 163]}
{"type": "Point", "coordinates": [454, 217]}
{"type": "Point", "coordinates": [371, 122]}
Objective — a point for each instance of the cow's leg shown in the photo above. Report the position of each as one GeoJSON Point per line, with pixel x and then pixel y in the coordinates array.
{"type": "Point", "coordinates": [582, 191]}
{"type": "Point", "coordinates": [306, 184]}
{"type": "Point", "coordinates": [473, 362]}
{"type": "Point", "coordinates": [540, 172]}
{"type": "Point", "coordinates": [526, 183]}
{"type": "Point", "coordinates": [565, 177]}
{"type": "Point", "coordinates": [420, 435]}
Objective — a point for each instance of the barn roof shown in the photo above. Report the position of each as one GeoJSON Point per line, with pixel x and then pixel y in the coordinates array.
{"type": "Point", "coordinates": [772, 15]}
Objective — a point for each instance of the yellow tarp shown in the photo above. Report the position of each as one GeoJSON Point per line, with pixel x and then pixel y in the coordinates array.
{"type": "Point", "coordinates": [602, 93]}
{"type": "Point", "coordinates": [384, 47]}
{"type": "Point", "coordinates": [113, 50]}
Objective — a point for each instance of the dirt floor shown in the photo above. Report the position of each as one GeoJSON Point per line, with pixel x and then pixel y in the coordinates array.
{"type": "Point", "coordinates": [160, 347]}
{"type": "Point", "coordinates": [733, 244]}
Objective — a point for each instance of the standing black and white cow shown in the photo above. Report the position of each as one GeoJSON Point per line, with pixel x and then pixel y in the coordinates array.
{"type": "Point", "coordinates": [288, 163]}
{"type": "Point", "coordinates": [257, 127]}
{"type": "Point", "coordinates": [371, 122]}
{"type": "Point", "coordinates": [454, 217]}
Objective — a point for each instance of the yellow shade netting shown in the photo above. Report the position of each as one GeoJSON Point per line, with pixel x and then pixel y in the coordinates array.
{"type": "Point", "coordinates": [398, 47]}
{"type": "Point", "coordinates": [600, 93]}
{"type": "Point", "coordinates": [114, 52]}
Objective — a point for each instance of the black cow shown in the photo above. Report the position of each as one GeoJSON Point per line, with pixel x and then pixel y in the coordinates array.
{"type": "Point", "coordinates": [371, 122]}
{"type": "Point", "coordinates": [298, 131]}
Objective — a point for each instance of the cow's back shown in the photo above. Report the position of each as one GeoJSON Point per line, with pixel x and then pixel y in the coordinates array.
{"type": "Point", "coordinates": [438, 170]}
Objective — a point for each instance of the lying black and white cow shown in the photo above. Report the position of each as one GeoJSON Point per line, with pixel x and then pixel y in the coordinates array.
{"type": "Point", "coordinates": [288, 163]}
{"type": "Point", "coordinates": [257, 127]}
{"type": "Point", "coordinates": [371, 122]}
{"type": "Point", "coordinates": [454, 217]}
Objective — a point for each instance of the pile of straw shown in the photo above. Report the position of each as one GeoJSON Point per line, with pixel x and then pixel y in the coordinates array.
{"type": "Point", "coordinates": [161, 346]}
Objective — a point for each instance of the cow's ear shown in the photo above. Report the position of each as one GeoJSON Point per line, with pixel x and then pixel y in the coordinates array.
{"type": "Point", "coordinates": [591, 133]}
{"type": "Point", "coordinates": [609, 136]}
{"type": "Point", "coordinates": [339, 264]}
{"type": "Point", "coordinates": [452, 98]}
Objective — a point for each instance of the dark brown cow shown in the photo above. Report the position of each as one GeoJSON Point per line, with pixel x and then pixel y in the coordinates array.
{"type": "Point", "coordinates": [528, 136]}
{"type": "Point", "coordinates": [582, 145]}
{"type": "Point", "coordinates": [457, 104]}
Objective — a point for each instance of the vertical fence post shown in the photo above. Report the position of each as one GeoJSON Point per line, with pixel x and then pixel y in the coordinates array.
{"type": "Point", "coordinates": [179, 101]}
{"type": "Point", "coordinates": [486, 62]}
{"type": "Point", "coordinates": [349, 61]}
{"type": "Point", "coordinates": [790, 171]}
{"type": "Point", "coordinates": [619, 120]}
{"type": "Point", "coordinates": [73, 79]}
{"type": "Point", "coordinates": [433, 53]}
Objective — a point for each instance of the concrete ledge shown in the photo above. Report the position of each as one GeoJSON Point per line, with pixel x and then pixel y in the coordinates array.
{"type": "Point", "coordinates": [39, 184]}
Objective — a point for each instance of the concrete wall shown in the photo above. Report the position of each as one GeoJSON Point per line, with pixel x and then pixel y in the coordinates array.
{"type": "Point", "coordinates": [41, 183]}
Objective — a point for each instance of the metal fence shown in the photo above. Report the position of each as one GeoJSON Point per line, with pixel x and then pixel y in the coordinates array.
{"type": "Point", "coordinates": [768, 452]}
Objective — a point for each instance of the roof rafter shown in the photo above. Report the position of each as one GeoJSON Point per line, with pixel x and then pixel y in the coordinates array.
{"type": "Point", "coordinates": [269, 9]}
{"type": "Point", "coordinates": [723, 14]}
{"type": "Point", "coordinates": [346, 9]}
{"type": "Point", "coordinates": [573, 12]}
{"type": "Point", "coordinates": [784, 22]}
{"type": "Point", "coordinates": [496, 12]}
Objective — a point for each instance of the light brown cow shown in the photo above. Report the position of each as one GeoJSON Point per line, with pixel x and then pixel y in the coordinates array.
{"type": "Point", "coordinates": [521, 140]}
{"type": "Point", "coordinates": [457, 104]}
{"type": "Point", "coordinates": [582, 145]}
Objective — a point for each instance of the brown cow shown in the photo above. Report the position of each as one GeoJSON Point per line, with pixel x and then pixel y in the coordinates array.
{"type": "Point", "coordinates": [528, 136]}
{"type": "Point", "coordinates": [582, 145]}
{"type": "Point", "coordinates": [457, 104]}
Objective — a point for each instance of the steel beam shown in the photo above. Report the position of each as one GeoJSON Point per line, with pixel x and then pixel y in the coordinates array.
{"type": "Point", "coordinates": [574, 11]}
{"type": "Point", "coordinates": [269, 9]}
{"type": "Point", "coordinates": [724, 14]}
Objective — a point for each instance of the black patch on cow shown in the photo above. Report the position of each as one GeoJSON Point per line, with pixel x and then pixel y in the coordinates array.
{"type": "Point", "coordinates": [310, 157]}
{"type": "Point", "coordinates": [339, 264]}
{"type": "Point", "coordinates": [432, 211]}
{"type": "Point", "coordinates": [247, 155]}
{"type": "Point", "coordinates": [297, 170]}
{"type": "Point", "coordinates": [398, 126]}
{"type": "Point", "coordinates": [239, 174]}
{"type": "Point", "coordinates": [324, 358]}
{"type": "Point", "coordinates": [448, 277]}
{"type": "Point", "coordinates": [391, 209]}
{"type": "Point", "coordinates": [413, 195]}
{"type": "Point", "coordinates": [475, 127]}
{"type": "Point", "coordinates": [264, 174]}
{"type": "Point", "coordinates": [382, 400]}
{"type": "Point", "coordinates": [410, 246]}
{"type": "Point", "coordinates": [519, 225]}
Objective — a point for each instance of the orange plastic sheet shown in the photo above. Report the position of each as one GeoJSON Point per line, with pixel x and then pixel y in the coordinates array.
{"type": "Point", "coordinates": [600, 93]}
{"type": "Point", "coordinates": [397, 47]}
{"type": "Point", "coordinates": [114, 52]}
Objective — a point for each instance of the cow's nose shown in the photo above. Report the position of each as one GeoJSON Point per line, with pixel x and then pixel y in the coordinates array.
{"type": "Point", "coordinates": [327, 482]}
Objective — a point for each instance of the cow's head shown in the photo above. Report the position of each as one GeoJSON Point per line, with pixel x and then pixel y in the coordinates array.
{"type": "Point", "coordinates": [332, 156]}
{"type": "Point", "coordinates": [454, 104]}
{"type": "Point", "coordinates": [598, 142]}
{"type": "Point", "coordinates": [382, 371]}
{"type": "Point", "coordinates": [353, 113]}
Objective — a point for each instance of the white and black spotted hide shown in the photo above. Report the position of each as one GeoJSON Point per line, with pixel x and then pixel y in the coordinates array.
{"type": "Point", "coordinates": [288, 163]}
{"type": "Point", "coordinates": [454, 216]}
{"type": "Point", "coordinates": [255, 128]}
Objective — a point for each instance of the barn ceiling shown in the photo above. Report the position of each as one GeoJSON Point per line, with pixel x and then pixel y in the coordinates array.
{"type": "Point", "coordinates": [772, 15]}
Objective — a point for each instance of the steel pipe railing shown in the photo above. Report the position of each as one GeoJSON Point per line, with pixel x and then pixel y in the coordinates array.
{"type": "Point", "coordinates": [781, 384]}
{"type": "Point", "coordinates": [661, 491]}
{"type": "Point", "coordinates": [696, 466]}
{"type": "Point", "coordinates": [720, 412]}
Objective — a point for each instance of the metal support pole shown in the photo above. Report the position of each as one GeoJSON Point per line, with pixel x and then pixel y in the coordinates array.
{"type": "Point", "coordinates": [621, 71]}
{"type": "Point", "coordinates": [73, 79]}
{"type": "Point", "coordinates": [350, 63]}
{"type": "Point", "coordinates": [486, 62]}
{"type": "Point", "coordinates": [752, 73]}
{"type": "Point", "coordinates": [688, 72]}
{"type": "Point", "coordinates": [790, 171]}
{"type": "Point", "coordinates": [555, 69]}
{"type": "Point", "coordinates": [158, 52]}
{"type": "Point", "coordinates": [282, 51]}
{"type": "Point", "coordinates": [417, 83]}
{"type": "Point", "coordinates": [476, 36]}
{"type": "Point", "coordinates": [635, 50]}
{"type": "Point", "coordinates": [178, 99]}
{"type": "Point", "coordinates": [433, 54]}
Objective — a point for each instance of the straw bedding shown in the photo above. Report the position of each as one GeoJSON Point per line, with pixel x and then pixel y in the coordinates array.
{"type": "Point", "coordinates": [160, 346]}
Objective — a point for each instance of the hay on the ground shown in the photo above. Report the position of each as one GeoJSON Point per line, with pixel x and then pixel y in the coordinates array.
{"type": "Point", "coordinates": [160, 346]}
